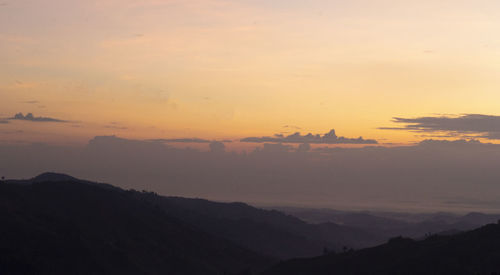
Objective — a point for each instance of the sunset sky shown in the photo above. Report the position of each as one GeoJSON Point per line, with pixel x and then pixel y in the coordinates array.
{"type": "Point", "coordinates": [228, 70]}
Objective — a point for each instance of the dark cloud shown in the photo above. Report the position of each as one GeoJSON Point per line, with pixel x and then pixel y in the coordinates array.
{"type": "Point", "coordinates": [485, 126]}
{"type": "Point", "coordinates": [458, 142]}
{"type": "Point", "coordinates": [328, 138]}
{"type": "Point", "coordinates": [493, 135]}
{"type": "Point", "coordinates": [2, 121]}
{"type": "Point", "coordinates": [31, 102]}
{"type": "Point", "coordinates": [31, 117]}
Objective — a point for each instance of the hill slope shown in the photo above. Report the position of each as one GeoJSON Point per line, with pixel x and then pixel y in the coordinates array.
{"type": "Point", "coordinates": [473, 252]}
{"type": "Point", "coordinates": [269, 232]}
{"type": "Point", "coordinates": [71, 227]}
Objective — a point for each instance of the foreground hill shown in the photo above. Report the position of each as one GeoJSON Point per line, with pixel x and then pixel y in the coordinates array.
{"type": "Point", "coordinates": [473, 252]}
{"type": "Point", "coordinates": [57, 225]}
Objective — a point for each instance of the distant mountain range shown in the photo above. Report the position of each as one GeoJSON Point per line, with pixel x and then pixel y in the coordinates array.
{"type": "Point", "coordinates": [385, 225]}
{"type": "Point", "coordinates": [57, 224]}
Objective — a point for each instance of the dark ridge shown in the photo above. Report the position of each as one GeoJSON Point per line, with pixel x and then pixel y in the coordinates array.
{"type": "Point", "coordinates": [71, 227]}
{"type": "Point", "coordinates": [58, 177]}
{"type": "Point", "coordinates": [57, 224]}
{"type": "Point", "coordinates": [53, 177]}
{"type": "Point", "coordinates": [48, 176]}
{"type": "Point", "coordinates": [269, 232]}
{"type": "Point", "coordinates": [473, 252]}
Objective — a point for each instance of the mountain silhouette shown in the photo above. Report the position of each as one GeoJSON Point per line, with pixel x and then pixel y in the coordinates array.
{"type": "Point", "coordinates": [54, 224]}
{"type": "Point", "coordinates": [58, 224]}
{"type": "Point", "coordinates": [472, 252]}
{"type": "Point", "coordinates": [385, 225]}
{"type": "Point", "coordinates": [268, 232]}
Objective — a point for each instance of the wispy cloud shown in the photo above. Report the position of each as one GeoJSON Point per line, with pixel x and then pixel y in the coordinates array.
{"type": "Point", "coordinates": [189, 140]}
{"type": "Point", "coordinates": [328, 138]}
{"type": "Point", "coordinates": [292, 127]}
{"type": "Point", "coordinates": [477, 125]}
{"type": "Point", "coordinates": [31, 102]}
{"type": "Point", "coordinates": [116, 126]}
{"type": "Point", "coordinates": [184, 140]}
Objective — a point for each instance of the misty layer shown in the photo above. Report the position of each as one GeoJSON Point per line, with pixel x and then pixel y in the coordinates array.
{"type": "Point", "coordinates": [433, 174]}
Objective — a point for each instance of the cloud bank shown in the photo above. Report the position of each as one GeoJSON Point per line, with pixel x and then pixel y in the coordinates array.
{"type": "Point", "coordinates": [478, 125]}
{"type": "Point", "coordinates": [328, 138]}
{"type": "Point", "coordinates": [424, 175]}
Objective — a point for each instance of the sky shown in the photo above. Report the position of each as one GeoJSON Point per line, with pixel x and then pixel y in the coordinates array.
{"type": "Point", "coordinates": [360, 104]}
{"type": "Point", "coordinates": [228, 70]}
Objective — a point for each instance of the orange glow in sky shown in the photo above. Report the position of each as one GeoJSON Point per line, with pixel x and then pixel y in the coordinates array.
{"type": "Point", "coordinates": [220, 69]}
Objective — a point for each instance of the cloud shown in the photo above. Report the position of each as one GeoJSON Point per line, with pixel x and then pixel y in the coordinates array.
{"type": "Point", "coordinates": [3, 121]}
{"type": "Point", "coordinates": [31, 117]}
{"type": "Point", "coordinates": [189, 140]}
{"type": "Point", "coordinates": [276, 147]}
{"type": "Point", "coordinates": [481, 126]}
{"type": "Point", "coordinates": [116, 126]}
{"type": "Point", "coordinates": [184, 140]}
{"type": "Point", "coordinates": [304, 147]}
{"type": "Point", "coordinates": [31, 102]}
{"type": "Point", "coordinates": [419, 176]}
{"type": "Point", "coordinates": [217, 147]}
{"type": "Point", "coordinates": [447, 143]}
{"type": "Point", "coordinates": [292, 127]}
{"type": "Point", "coordinates": [11, 132]}
{"type": "Point", "coordinates": [328, 138]}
